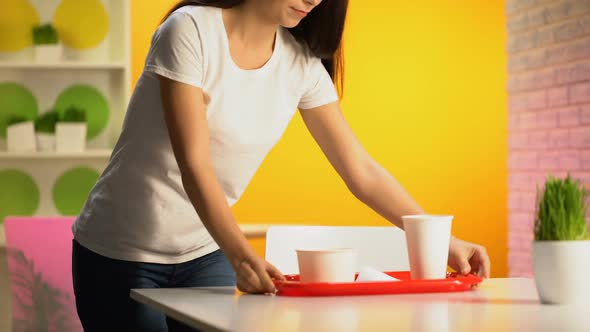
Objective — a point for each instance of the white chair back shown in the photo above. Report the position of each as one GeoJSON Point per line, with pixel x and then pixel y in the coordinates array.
{"type": "Point", "coordinates": [382, 248]}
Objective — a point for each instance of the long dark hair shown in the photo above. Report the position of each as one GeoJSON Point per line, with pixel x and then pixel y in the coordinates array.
{"type": "Point", "coordinates": [321, 30]}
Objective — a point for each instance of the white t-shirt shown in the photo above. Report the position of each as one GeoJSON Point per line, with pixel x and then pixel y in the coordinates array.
{"type": "Point", "coordinates": [138, 210]}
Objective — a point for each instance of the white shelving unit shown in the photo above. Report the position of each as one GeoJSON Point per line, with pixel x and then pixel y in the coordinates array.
{"type": "Point", "coordinates": [108, 70]}
{"type": "Point", "coordinates": [89, 154]}
{"type": "Point", "coordinates": [96, 65]}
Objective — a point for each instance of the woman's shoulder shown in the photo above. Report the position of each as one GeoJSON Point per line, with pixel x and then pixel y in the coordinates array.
{"type": "Point", "coordinates": [193, 15]}
{"type": "Point", "coordinates": [204, 11]}
{"type": "Point", "coordinates": [297, 50]}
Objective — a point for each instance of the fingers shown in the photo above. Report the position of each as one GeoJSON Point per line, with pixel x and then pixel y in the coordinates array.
{"type": "Point", "coordinates": [463, 265]}
{"type": "Point", "coordinates": [480, 262]}
{"type": "Point", "coordinates": [243, 285]}
{"type": "Point", "coordinates": [274, 272]}
{"type": "Point", "coordinates": [249, 277]}
{"type": "Point", "coordinates": [468, 258]}
{"type": "Point", "coordinates": [484, 263]}
{"type": "Point", "coordinates": [267, 286]}
{"type": "Point", "coordinates": [254, 277]}
{"type": "Point", "coordinates": [475, 266]}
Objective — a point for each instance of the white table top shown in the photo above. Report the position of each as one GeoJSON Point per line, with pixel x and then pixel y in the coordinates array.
{"type": "Point", "coordinates": [509, 304]}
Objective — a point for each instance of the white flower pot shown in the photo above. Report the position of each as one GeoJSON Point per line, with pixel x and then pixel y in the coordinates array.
{"type": "Point", "coordinates": [48, 53]}
{"type": "Point", "coordinates": [21, 137]}
{"type": "Point", "coordinates": [70, 137]}
{"type": "Point", "coordinates": [45, 142]}
{"type": "Point", "coordinates": [562, 271]}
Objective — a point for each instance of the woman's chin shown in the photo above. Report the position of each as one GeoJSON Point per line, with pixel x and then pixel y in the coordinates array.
{"type": "Point", "coordinates": [290, 22]}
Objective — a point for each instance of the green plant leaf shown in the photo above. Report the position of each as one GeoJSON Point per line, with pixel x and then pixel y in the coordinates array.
{"type": "Point", "coordinates": [561, 210]}
{"type": "Point", "coordinates": [73, 114]}
{"type": "Point", "coordinates": [45, 34]}
{"type": "Point", "coordinates": [16, 119]}
{"type": "Point", "coordinates": [46, 122]}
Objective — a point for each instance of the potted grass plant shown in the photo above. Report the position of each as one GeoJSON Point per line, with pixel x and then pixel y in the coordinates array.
{"type": "Point", "coordinates": [46, 41]}
{"type": "Point", "coordinates": [71, 130]}
{"type": "Point", "coordinates": [20, 134]}
{"type": "Point", "coordinates": [45, 131]}
{"type": "Point", "coordinates": [561, 248]}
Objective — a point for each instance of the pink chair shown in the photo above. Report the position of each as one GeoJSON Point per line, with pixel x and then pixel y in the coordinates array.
{"type": "Point", "coordinates": [40, 269]}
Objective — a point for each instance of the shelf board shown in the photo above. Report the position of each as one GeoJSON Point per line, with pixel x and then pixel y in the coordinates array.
{"type": "Point", "coordinates": [117, 65]}
{"type": "Point", "coordinates": [88, 154]}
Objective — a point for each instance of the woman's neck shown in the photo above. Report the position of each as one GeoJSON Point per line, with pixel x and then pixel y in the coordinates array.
{"type": "Point", "coordinates": [249, 27]}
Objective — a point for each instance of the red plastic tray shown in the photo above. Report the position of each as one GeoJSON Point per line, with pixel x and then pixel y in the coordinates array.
{"type": "Point", "coordinates": [453, 283]}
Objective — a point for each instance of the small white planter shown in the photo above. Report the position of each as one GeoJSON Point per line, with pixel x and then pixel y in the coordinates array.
{"type": "Point", "coordinates": [48, 53]}
{"type": "Point", "coordinates": [21, 137]}
{"type": "Point", "coordinates": [45, 142]}
{"type": "Point", "coordinates": [562, 271]}
{"type": "Point", "coordinates": [70, 137]}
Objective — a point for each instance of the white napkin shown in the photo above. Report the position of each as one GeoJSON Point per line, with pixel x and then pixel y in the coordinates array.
{"type": "Point", "coordinates": [367, 273]}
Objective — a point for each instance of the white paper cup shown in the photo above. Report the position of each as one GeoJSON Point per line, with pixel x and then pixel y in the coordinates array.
{"type": "Point", "coordinates": [428, 238]}
{"type": "Point", "coordinates": [327, 265]}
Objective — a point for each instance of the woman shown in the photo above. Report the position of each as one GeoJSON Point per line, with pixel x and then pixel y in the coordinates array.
{"type": "Point", "coordinates": [221, 82]}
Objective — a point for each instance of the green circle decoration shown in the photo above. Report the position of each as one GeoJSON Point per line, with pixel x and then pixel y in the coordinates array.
{"type": "Point", "coordinates": [19, 194]}
{"type": "Point", "coordinates": [15, 100]}
{"type": "Point", "coordinates": [71, 189]}
{"type": "Point", "coordinates": [89, 99]}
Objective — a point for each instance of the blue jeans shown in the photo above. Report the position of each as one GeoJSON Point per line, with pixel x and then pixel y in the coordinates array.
{"type": "Point", "coordinates": [102, 286]}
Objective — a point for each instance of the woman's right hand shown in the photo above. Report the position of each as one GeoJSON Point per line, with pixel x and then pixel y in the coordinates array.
{"type": "Point", "coordinates": [255, 275]}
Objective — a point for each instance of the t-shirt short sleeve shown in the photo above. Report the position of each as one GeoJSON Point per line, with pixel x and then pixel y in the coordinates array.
{"type": "Point", "coordinates": [176, 52]}
{"type": "Point", "coordinates": [319, 88]}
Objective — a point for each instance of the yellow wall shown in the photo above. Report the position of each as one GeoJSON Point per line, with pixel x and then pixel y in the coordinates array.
{"type": "Point", "coordinates": [425, 95]}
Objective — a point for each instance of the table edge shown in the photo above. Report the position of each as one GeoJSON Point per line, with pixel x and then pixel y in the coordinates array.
{"type": "Point", "coordinates": [141, 298]}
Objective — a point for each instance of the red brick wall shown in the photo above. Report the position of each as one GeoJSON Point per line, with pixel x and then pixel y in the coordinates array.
{"type": "Point", "coordinates": [549, 108]}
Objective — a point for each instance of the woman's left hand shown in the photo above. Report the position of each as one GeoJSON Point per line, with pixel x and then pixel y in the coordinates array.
{"type": "Point", "coordinates": [465, 258]}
